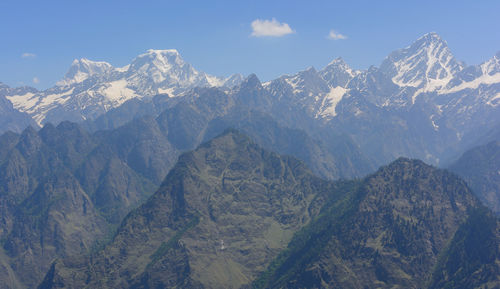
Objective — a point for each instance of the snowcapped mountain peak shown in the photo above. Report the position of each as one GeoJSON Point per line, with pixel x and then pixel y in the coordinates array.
{"type": "Point", "coordinates": [90, 88]}
{"type": "Point", "coordinates": [429, 43]}
{"type": "Point", "coordinates": [309, 70]}
{"type": "Point", "coordinates": [430, 37]}
{"type": "Point", "coordinates": [163, 51]}
{"type": "Point", "coordinates": [158, 57]}
{"type": "Point", "coordinates": [81, 69]}
{"type": "Point", "coordinates": [427, 64]}
{"type": "Point", "coordinates": [163, 57]}
{"type": "Point", "coordinates": [233, 80]}
{"type": "Point", "coordinates": [491, 66]}
{"type": "Point", "coordinates": [339, 61]}
{"type": "Point", "coordinates": [164, 68]}
{"type": "Point", "coordinates": [338, 73]}
{"type": "Point", "coordinates": [167, 55]}
{"type": "Point", "coordinates": [307, 83]}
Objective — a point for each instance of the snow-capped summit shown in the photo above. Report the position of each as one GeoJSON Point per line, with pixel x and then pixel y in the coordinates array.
{"type": "Point", "coordinates": [82, 69]}
{"type": "Point", "coordinates": [161, 70]}
{"type": "Point", "coordinates": [303, 85]}
{"type": "Point", "coordinates": [424, 74]}
{"type": "Point", "coordinates": [427, 64]}
{"type": "Point", "coordinates": [158, 64]}
{"type": "Point", "coordinates": [475, 76]}
{"type": "Point", "coordinates": [338, 73]}
{"type": "Point", "coordinates": [308, 82]}
{"type": "Point", "coordinates": [90, 88]}
{"type": "Point", "coordinates": [233, 80]}
{"type": "Point", "coordinates": [163, 52]}
{"type": "Point", "coordinates": [491, 66]}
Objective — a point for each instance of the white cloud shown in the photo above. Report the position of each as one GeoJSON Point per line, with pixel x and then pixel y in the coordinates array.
{"type": "Point", "coordinates": [270, 28]}
{"type": "Point", "coordinates": [36, 80]}
{"type": "Point", "coordinates": [28, 55]}
{"type": "Point", "coordinates": [334, 35]}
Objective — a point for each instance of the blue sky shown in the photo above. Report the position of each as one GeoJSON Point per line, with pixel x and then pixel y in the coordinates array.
{"type": "Point", "coordinates": [41, 38]}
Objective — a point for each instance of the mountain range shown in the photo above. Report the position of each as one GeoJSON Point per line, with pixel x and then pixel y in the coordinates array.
{"type": "Point", "coordinates": [157, 175]}
{"type": "Point", "coordinates": [64, 190]}
{"type": "Point", "coordinates": [231, 215]}
{"type": "Point", "coordinates": [90, 88]}
{"type": "Point", "coordinates": [431, 105]}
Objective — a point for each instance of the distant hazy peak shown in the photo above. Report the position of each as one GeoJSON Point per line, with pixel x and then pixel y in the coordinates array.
{"type": "Point", "coordinates": [163, 57]}
{"type": "Point", "coordinates": [81, 69]}
{"type": "Point", "coordinates": [338, 62]}
{"type": "Point", "coordinates": [163, 51]}
{"type": "Point", "coordinates": [251, 81]}
{"type": "Point", "coordinates": [427, 63]}
{"type": "Point", "coordinates": [338, 73]}
{"type": "Point", "coordinates": [428, 38]}
{"type": "Point", "coordinates": [91, 88]}
{"type": "Point", "coordinates": [233, 80]}
{"type": "Point", "coordinates": [84, 62]}
{"type": "Point", "coordinates": [491, 66]}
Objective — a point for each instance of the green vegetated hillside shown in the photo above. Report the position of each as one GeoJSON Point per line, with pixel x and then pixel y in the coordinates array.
{"type": "Point", "coordinates": [480, 167]}
{"type": "Point", "coordinates": [232, 215]}
{"type": "Point", "coordinates": [223, 212]}
{"type": "Point", "coordinates": [63, 190]}
{"type": "Point", "coordinates": [408, 225]}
